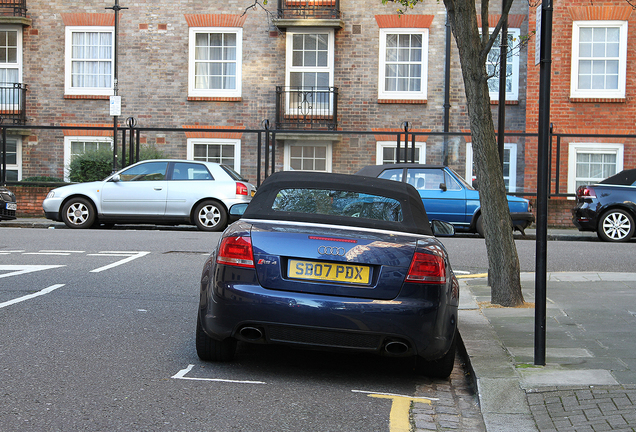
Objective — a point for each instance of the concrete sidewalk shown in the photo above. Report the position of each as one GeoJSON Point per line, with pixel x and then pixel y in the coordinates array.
{"type": "Point", "coordinates": [589, 381]}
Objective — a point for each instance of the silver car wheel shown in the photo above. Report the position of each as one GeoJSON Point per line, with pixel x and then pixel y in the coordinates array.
{"type": "Point", "coordinates": [77, 213]}
{"type": "Point", "coordinates": [617, 226]}
{"type": "Point", "coordinates": [209, 216]}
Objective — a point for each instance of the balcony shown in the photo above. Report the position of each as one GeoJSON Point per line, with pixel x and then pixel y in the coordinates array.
{"type": "Point", "coordinates": [305, 13]}
{"type": "Point", "coordinates": [307, 108]}
{"type": "Point", "coordinates": [15, 8]}
{"type": "Point", "coordinates": [13, 103]}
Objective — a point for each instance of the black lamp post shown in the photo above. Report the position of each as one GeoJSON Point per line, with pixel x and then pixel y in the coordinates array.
{"type": "Point", "coordinates": [116, 8]}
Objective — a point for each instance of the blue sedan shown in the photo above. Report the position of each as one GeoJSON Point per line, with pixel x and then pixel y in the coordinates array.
{"type": "Point", "coordinates": [303, 268]}
{"type": "Point", "coordinates": [447, 196]}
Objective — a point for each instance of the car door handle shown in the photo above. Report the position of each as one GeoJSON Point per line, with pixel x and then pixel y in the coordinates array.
{"type": "Point", "coordinates": [158, 188]}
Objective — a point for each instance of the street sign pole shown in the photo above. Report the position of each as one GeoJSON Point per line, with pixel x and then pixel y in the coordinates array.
{"type": "Point", "coordinates": [544, 31]}
{"type": "Point", "coordinates": [115, 100]}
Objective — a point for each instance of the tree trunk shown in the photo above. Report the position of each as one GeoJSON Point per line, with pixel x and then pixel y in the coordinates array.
{"type": "Point", "coordinates": [503, 261]}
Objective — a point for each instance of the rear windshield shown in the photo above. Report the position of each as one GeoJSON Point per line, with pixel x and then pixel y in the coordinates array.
{"type": "Point", "coordinates": [338, 203]}
{"type": "Point", "coordinates": [232, 173]}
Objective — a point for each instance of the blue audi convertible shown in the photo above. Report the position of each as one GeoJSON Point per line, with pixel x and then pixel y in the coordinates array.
{"type": "Point", "coordinates": [334, 262]}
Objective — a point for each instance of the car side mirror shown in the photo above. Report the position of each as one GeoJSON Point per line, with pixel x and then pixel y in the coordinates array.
{"type": "Point", "coordinates": [442, 229]}
{"type": "Point", "coordinates": [236, 211]}
{"type": "Point", "coordinates": [442, 186]}
{"type": "Point", "coordinates": [115, 178]}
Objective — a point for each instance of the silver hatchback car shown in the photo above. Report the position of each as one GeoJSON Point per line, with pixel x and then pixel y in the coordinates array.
{"type": "Point", "coordinates": [158, 191]}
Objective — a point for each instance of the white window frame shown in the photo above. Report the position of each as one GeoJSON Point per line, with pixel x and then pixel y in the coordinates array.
{"type": "Point", "coordinates": [68, 140]}
{"type": "Point", "coordinates": [512, 178]}
{"type": "Point", "coordinates": [599, 148]}
{"type": "Point", "coordinates": [291, 108]}
{"type": "Point", "coordinates": [418, 95]}
{"type": "Point", "coordinates": [512, 60]}
{"type": "Point", "coordinates": [290, 143]}
{"type": "Point", "coordinates": [68, 69]}
{"type": "Point", "coordinates": [381, 145]}
{"type": "Point", "coordinates": [216, 141]}
{"type": "Point", "coordinates": [236, 92]}
{"type": "Point", "coordinates": [18, 156]}
{"type": "Point", "coordinates": [18, 64]}
{"type": "Point", "coordinates": [575, 92]}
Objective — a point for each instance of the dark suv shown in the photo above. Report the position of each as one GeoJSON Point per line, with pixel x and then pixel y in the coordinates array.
{"type": "Point", "coordinates": [8, 204]}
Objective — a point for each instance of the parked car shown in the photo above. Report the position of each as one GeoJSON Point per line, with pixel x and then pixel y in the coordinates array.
{"type": "Point", "coordinates": [297, 269]}
{"type": "Point", "coordinates": [608, 207]}
{"type": "Point", "coordinates": [158, 191]}
{"type": "Point", "coordinates": [8, 204]}
{"type": "Point", "coordinates": [447, 196]}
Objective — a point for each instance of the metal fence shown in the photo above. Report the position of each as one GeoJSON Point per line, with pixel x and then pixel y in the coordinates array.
{"type": "Point", "coordinates": [13, 7]}
{"type": "Point", "coordinates": [317, 9]}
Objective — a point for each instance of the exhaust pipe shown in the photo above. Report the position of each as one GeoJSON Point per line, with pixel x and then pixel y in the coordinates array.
{"type": "Point", "coordinates": [251, 333]}
{"type": "Point", "coordinates": [396, 347]}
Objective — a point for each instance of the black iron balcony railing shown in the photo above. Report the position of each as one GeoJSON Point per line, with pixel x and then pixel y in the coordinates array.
{"type": "Point", "coordinates": [315, 9]}
{"type": "Point", "coordinates": [306, 108]}
{"type": "Point", "coordinates": [13, 103]}
{"type": "Point", "coordinates": [13, 8]}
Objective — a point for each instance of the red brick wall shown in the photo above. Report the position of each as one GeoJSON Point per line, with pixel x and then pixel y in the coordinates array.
{"type": "Point", "coordinates": [30, 200]}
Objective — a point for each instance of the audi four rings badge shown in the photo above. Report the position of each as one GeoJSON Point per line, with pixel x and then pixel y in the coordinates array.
{"type": "Point", "coordinates": [331, 250]}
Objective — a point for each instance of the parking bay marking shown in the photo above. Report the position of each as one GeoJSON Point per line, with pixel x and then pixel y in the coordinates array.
{"type": "Point", "coordinates": [399, 418]}
{"type": "Point", "coordinates": [182, 375]}
{"type": "Point", "coordinates": [30, 296]}
{"type": "Point", "coordinates": [129, 256]}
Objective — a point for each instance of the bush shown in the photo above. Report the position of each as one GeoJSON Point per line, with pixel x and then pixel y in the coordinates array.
{"type": "Point", "coordinates": [43, 179]}
{"type": "Point", "coordinates": [98, 164]}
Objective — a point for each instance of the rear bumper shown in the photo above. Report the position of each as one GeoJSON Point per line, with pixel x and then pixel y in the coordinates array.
{"type": "Point", "coordinates": [584, 219]}
{"type": "Point", "coordinates": [522, 220]}
{"type": "Point", "coordinates": [425, 327]}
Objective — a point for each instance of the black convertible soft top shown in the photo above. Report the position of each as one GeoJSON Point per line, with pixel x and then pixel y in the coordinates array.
{"type": "Point", "coordinates": [625, 178]}
{"type": "Point", "coordinates": [414, 219]}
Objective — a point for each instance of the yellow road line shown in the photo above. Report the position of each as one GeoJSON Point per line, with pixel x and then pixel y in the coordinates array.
{"type": "Point", "coordinates": [400, 411]}
{"type": "Point", "coordinates": [472, 276]}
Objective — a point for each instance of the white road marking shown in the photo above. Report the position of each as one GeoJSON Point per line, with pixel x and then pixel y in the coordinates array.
{"type": "Point", "coordinates": [53, 252]}
{"type": "Point", "coordinates": [16, 270]}
{"type": "Point", "coordinates": [181, 375]}
{"type": "Point", "coordinates": [129, 257]}
{"type": "Point", "coordinates": [30, 296]}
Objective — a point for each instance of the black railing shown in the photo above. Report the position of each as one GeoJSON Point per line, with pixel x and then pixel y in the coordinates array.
{"type": "Point", "coordinates": [306, 108]}
{"type": "Point", "coordinates": [13, 103]}
{"type": "Point", "coordinates": [13, 7]}
{"type": "Point", "coordinates": [316, 9]}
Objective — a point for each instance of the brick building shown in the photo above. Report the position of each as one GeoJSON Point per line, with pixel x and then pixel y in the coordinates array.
{"type": "Point", "coordinates": [592, 86]}
{"type": "Point", "coordinates": [326, 65]}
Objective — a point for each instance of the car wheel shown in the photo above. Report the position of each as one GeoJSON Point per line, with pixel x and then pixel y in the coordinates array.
{"type": "Point", "coordinates": [440, 368]}
{"type": "Point", "coordinates": [78, 213]}
{"type": "Point", "coordinates": [209, 349]}
{"type": "Point", "coordinates": [210, 216]}
{"type": "Point", "coordinates": [616, 225]}
{"type": "Point", "coordinates": [479, 226]}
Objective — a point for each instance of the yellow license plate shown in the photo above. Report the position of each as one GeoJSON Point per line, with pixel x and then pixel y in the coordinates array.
{"type": "Point", "coordinates": [331, 272]}
{"type": "Point", "coordinates": [252, 193]}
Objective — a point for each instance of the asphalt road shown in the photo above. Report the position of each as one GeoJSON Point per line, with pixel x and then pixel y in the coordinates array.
{"type": "Point", "coordinates": [98, 334]}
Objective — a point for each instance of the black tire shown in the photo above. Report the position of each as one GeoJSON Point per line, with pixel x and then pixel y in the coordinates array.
{"type": "Point", "coordinates": [78, 213]}
{"type": "Point", "coordinates": [210, 216]}
{"type": "Point", "coordinates": [479, 226]}
{"type": "Point", "coordinates": [209, 349]}
{"type": "Point", "coordinates": [615, 226]}
{"type": "Point", "coordinates": [440, 368]}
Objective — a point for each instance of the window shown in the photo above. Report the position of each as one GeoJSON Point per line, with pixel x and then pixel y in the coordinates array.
{"type": "Point", "coordinates": [509, 166]}
{"type": "Point", "coordinates": [590, 163]}
{"type": "Point", "coordinates": [512, 66]}
{"type": "Point", "coordinates": [215, 61]}
{"type": "Point", "coordinates": [222, 151]}
{"type": "Point", "coordinates": [308, 157]}
{"type": "Point", "coordinates": [151, 171]}
{"type": "Point", "coordinates": [14, 159]}
{"type": "Point", "coordinates": [403, 64]}
{"type": "Point", "coordinates": [89, 61]}
{"type": "Point", "coordinates": [309, 76]}
{"type": "Point", "coordinates": [386, 152]}
{"type": "Point", "coordinates": [190, 171]}
{"type": "Point", "coordinates": [599, 54]}
{"type": "Point", "coordinates": [74, 146]}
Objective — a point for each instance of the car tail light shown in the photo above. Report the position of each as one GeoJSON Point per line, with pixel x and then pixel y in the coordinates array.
{"type": "Point", "coordinates": [236, 251]}
{"type": "Point", "coordinates": [427, 268]}
{"type": "Point", "coordinates": [585, 192]}
{"type": "Point", "coordinates": [241, 189]}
